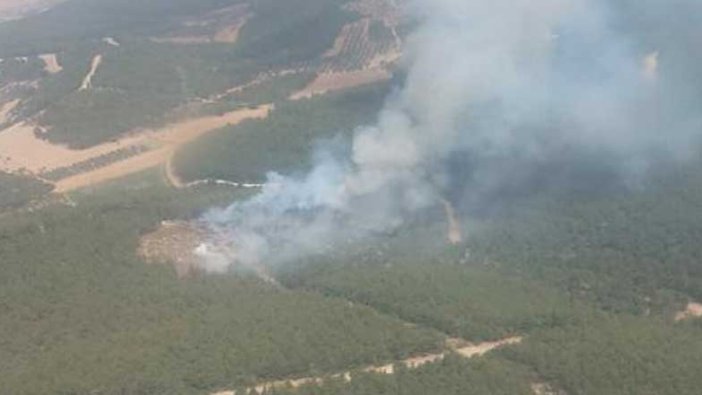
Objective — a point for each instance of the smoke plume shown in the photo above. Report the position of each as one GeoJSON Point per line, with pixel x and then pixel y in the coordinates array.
{"type": "Point", "coordinates": [500, 96]}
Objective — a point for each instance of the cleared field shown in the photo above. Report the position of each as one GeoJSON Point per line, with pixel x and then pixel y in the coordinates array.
{"type": "Point", "coordinates": [22, 150]}
{"type": "Point", "coordinates": [169, 140]}
{"type": "Point", "coordinates": [329, 82]}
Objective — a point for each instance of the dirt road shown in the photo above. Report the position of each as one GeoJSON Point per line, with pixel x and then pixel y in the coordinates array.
{"type": "Point", "coordinates": [460, 347]}
{"type": "Point", "coordinates": [88, 80]}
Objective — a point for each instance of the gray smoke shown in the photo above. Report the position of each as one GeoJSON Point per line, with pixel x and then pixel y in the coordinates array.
{"type": "Point", "coordinates": [498, 94]}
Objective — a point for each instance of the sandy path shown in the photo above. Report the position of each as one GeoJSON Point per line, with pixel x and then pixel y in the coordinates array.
{"type": "Point", "coordinates": [168, 140]}
{"type": "Point", "coordinates": [466, 350]}
{"type": "Point", "coordinates": [88, 80]}
{"type": "Point", "coordinates": [51, 64]}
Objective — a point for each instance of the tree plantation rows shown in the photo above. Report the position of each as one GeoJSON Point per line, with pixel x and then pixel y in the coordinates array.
{"type": "Point", "coordinates": [140, 81]}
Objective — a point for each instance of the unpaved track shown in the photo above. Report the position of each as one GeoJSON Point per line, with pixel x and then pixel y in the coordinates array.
{"type": "Point", "coordinates": [88, 80]}
{"type": "Point", "coordinates": [462, 348]}
{"type": "Point", "coordinates": [168, 140]}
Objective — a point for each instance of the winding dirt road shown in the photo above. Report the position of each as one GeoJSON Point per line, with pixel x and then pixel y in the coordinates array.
{"type": "Point", "coordinates": [458, 346]}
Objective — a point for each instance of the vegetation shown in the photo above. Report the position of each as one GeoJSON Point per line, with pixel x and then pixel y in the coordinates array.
{"type": "Point", "coordinates": [460, 300]}
{"type": "Point", "coordinates": [80, 313]}
{"type": "Point", "coordinates": [79, 21]}
{"type": "Point", "coordinates": [630, 252]}
{"type": "Point", "coordinates": [282, 32]}
{"type": "Point", "coordinates": [140, 82]}
{"type": "Point", "coordinates": [21, 69]}
{"type": "Point", "coordinates": [617, 355]}
{"type": "Point", "coordinates": [453, 376]}
{"type": "Point", "coordinates": [285, 141]}
{"type": "Point", "coordinates": [17, 190]}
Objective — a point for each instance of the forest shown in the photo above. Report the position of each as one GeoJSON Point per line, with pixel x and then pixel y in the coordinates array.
{"type": "Point", "coordinates": [285, 141]}
{"type": "Point", "coordinates": [17, 190]}
{"type": "Point", "coordinates": [140, 83]}
{"type": "Point", "coordinates": [590, 277]}
{"type": "Point", "coordinates": [80, 312]}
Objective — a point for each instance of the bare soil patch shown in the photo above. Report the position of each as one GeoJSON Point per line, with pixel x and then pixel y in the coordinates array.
{"type": "Point", "coordinates": [174, 242]}
{"type": "Point", "coordinates": [21, 149]}
{"type": "Point", "coordinates": [192, 247]}
{"type": "Point", "coordinates": [329, 82]}
{"type": "Point", "coordinates": [545, 389]}
{"type": "Point", "coordinates": [51, 63]}
{"type": "Point", "coordinates": [693, 310]}
{"type": "Point", "coordinates": [88, 80]}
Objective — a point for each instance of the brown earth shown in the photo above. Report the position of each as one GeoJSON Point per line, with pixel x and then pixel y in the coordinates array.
{"type": "Point", "coordinates": [329, 82]}
{"type": "Point", "coordinates": [693, 310]}
{"type": "Point", "coordinates": [51, 64]}
{"type": "Point", "coordinates": [455, 234]}
{"type": "Point", "coordinates": [168, 140]}
{"type": "Point", "coordinates": [22, 151]}
{"type": "Point", "coordinates": [88, 80]}
{"type": "Point", "coordinates": [545, 389]}
{"type": "Point", "coordinates": [174, 242]}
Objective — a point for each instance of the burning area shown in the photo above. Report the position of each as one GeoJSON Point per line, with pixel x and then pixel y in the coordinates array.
{"type": "Point", "coordinates": [501, 100]}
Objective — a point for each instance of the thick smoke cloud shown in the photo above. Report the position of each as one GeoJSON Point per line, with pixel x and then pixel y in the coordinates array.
{"type": "Point", "coordinates": [501, 96]}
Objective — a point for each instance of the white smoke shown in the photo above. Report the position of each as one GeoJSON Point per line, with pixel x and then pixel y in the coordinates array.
{"type": "Point", "coordinates": [509, 84]}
